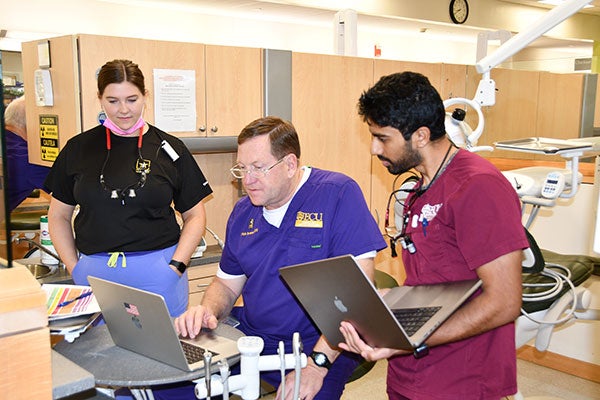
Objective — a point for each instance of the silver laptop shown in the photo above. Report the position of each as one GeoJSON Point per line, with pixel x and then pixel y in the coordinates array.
{"type": "Point", "coordinates": [336, 289]}
{"type": "Point", "coordinates": [139, 321]}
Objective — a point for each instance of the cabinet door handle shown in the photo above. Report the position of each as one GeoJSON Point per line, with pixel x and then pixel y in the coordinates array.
{"type": "Point", "coordinates": [214, 129]}
{"type": "Point", "coordinates": [202, 128]}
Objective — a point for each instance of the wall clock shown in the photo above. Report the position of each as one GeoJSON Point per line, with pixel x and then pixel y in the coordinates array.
{"type": "Point", "coordinates": [459, 11]}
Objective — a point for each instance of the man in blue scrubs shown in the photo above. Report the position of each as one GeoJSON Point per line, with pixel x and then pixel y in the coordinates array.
{"type": "Point", "coordinates": [22, 176]}
{"type": "Point", "coordinates": [292, 215]}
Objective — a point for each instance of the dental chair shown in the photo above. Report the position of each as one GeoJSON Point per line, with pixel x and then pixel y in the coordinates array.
{"type": "Point", "coordinates": [552, 294]}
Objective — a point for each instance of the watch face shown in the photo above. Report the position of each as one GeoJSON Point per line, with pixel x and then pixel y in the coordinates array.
{"type": "Point", "coordinates": [459, 11]}
{"type": "Point", "coordinates": [319, 359]}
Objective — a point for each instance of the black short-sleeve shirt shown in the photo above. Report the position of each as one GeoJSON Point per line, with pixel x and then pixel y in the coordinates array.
{"type": "Point", "coordinates": [144, 222]}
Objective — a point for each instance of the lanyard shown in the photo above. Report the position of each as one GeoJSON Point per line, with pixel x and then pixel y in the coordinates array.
{"type": "Point", "coordinates": [139, 143]}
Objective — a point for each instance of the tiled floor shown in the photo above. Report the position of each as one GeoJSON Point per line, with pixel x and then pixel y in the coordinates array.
{"type": "Point", "coordinates": [534, 382]}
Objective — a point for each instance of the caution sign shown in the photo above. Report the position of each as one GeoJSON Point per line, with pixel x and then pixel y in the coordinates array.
{"type": "Point", "coordinates": [49, 137]}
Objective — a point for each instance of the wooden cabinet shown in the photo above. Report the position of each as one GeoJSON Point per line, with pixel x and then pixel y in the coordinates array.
{"type": "Point", "coordinates": [199, 278]}
{"type": "Point", "coordinates": [233, 96]}
{"type": "Point", "coordinates": [559, 105]}
{"type": "Point", "coordinates": [228, 83]}
{"type": "Point", "coordinates": [514, 114]}
{"type": "Point", "coordinates": [228, 79]}
{"type": "Point", "coordinates": [65, 87]}
{"type": "Point", "coordinates": [453, 82]}
{"type": "Point", "coordinates": [325, 92]}
{"type": "Point", "coordinates": [95, 51]}
{"type": "Point", "coordinates": [597, 107]}
{"type": "Point", "coordinates": [24, 337]}
{"type": "Point", "coordinates": [530, 103]}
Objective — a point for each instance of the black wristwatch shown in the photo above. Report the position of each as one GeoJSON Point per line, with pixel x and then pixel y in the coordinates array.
{"type": "Point", "coordinates": [181, 267]}
{"type": "Point", "coordinates": [320, 359]}
{"type": "Point", "coordinates": [421, 351]}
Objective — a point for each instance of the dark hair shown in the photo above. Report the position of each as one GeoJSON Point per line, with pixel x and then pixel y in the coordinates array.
{"type": "Point", "coordinates": [282, 135]}
{"type": "Point", "coordinates": [117, 71]}
{"type": "Point", "coordinates": [405, 101]}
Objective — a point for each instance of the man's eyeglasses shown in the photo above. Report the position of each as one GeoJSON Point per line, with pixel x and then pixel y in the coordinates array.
{"type": "Point", "coordinates": [240, 172]}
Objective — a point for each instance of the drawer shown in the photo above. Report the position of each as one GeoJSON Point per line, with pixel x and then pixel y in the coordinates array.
{"type": "Point", "coordinates": [195, 298]}
{"type": "Point", "coordinates": [202, 271]}
{"type": "Point", "coordinates": [197, 285]}
{"type": "Point", "coordinates": [199, 277]}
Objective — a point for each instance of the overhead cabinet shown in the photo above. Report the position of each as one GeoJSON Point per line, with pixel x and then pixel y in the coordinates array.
{"type": "Point", "coordinates": [233, 89]}
{"type": "Point", "coordinates": [530, 104]}
{"type": "Point", "coordinates": [227, 80]}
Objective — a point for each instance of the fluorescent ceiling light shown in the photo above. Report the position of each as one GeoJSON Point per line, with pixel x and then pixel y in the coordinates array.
{"type": "Point", "coordinates": [558, 2]}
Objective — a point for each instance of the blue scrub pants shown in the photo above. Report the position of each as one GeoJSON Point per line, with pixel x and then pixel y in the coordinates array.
{"type": "Point", "coordinates": [146, 270]}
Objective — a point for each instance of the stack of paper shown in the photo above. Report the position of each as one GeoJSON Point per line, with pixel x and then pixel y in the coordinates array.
{"type": "Point", "coordinates": [71, 309]}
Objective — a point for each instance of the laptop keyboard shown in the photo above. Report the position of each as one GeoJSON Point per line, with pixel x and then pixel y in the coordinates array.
{"type": "Point", "coordinates": [412, 319]}
{"type": "Point", "coordinates": [194, 353]}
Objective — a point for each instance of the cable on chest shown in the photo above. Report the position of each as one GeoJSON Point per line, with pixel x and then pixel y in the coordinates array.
{"type": "Point", "coordinates": [142, 168]}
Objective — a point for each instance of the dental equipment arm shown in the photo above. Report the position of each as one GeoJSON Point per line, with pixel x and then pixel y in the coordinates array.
{"type": "Point", "coordinates": [297, 350]}
{"type": "Point", "coordinates": [486, 89]}
{"type": "Point", "coordinates": [247, 383]}
{"type": "Point", "coordinates": [540, 324]}
{"type": "Point", "coordinates": [207, 373]}
{"type": "Point", "coordinates": [554, 17]}
{"type": "Point", "coordinates": [281, 352]}
{"type": "Point", "coordinates": [224, 371]}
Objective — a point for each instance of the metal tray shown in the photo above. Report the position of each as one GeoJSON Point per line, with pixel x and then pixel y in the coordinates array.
{"type": "Point", "coordinates": [543, 145]}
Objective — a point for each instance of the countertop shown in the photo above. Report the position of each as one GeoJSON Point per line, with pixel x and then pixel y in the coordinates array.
{"type": "Point", "coordinates": [58, 274]}
{"type": "Point", "coordinates": [212, 254]}
{"type": "Point", "coordinates": [111, 365]}
{"type": "Point", "coordinates": [68, 378]}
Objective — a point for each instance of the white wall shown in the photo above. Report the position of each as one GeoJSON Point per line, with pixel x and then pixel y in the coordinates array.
{"type": "Point", "coordinates": [11, 65]}
{"type": "Point", "coordinates": [568, 227]}
{"type": "Point", "coordinates": [189, 25]}
{"type": "Point", "coordinates": [399, 39]}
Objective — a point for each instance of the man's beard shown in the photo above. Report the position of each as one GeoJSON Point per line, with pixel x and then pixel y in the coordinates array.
{"type": "Point", "coordinates": [410, 160]}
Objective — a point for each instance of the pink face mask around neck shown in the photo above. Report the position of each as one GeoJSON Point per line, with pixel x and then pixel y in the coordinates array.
{"type": "Point", "coordinates": [113, 127]}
